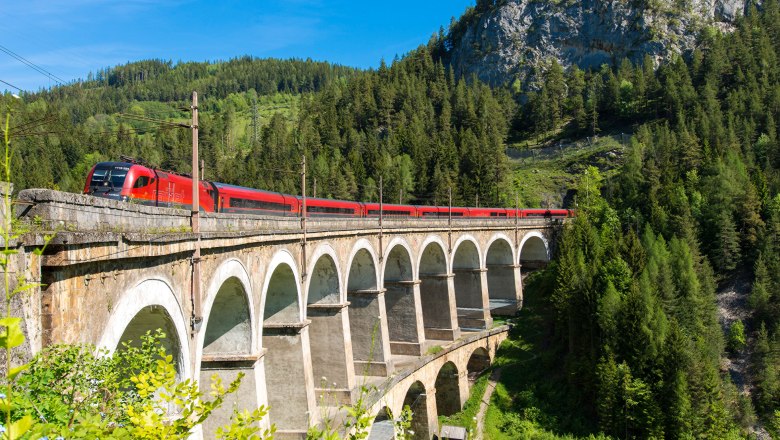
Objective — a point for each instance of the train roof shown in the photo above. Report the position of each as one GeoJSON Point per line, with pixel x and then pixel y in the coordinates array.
{"type": "Point", "coordinates": [114, 164]}
{"type": "Point", "coordinates": [246, 188]}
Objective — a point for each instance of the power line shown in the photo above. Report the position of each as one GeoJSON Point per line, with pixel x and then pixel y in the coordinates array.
{"type": "Point", "coordinates": [11, 85]}
{"type": "Point", "coordinates": [33, 66]}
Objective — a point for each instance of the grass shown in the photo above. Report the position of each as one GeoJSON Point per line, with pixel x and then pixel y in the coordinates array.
{"type": "Point", "coordinates": [545, 176]}
{"type": "Point", "coordinates": [435, 349]}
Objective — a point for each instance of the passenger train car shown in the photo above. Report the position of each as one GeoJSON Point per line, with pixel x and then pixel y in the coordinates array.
{"type": "Point", "coordinates": [137, 183]}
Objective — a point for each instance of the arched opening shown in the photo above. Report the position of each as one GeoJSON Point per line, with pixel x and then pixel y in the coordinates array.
{"type": "Point", "coordinates": [228, 330]}
{"type": "Point", "coordinates": [504, 288]}
{"type": "Point", "coordinates": [448, 390]}
{"type": "Point", "coordinates": [533, 252]}
{"type": "Point", "coordinates": [470, 288]}
{"type": "Point", "coordinates": [479, 361]}
{"type": "Point", "coordinates": [148, 320]}
{"type": "Point", "coordinates": [324, 285]}
{"type": "Point", "coordinates": [402, 300]}
{"type": "Point", "coordinates": [227, 351]}
{"type": "Point", "coordinates": [331, 354]}
{"type": "Point", "coordinates": [437, 295]}
{"type": "Point", "coordinates": [417, 401]}
{"type": "Point", "coordinates": [285, 337]}
{"type": "Point", "coordinates": [382, 428]}
{"type": "Point", "coordinates": [367, 317]}
{"type": "Point", "coordinates": [281, 298]}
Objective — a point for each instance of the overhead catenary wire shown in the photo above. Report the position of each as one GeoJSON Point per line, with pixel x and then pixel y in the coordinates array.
{"type": "Point", "coordinates": [10, 85]}
{"type": "Point", "coordinates": [32, 65]}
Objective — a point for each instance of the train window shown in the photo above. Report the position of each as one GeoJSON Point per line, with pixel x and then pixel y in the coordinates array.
{"type": "Point", "coordinates": [141, 182]}
{"type": "Point", "coordinates": [258, 204]}
{"type": "Point", "coordinates": [388, 212]}
{"type": "Point", "coordinates": [109, 176]}
{"type": "Point", "coordinates": [498, 214]}
{"type": "Point", "coordinates": [330, 210]}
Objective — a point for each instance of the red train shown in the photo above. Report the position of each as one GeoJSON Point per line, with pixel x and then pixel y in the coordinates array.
{"type": "Point", "coordinates": [136, 183]}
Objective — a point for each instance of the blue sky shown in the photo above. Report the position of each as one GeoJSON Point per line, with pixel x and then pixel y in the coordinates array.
{"type": "Point", "coordinates": [71, 38]}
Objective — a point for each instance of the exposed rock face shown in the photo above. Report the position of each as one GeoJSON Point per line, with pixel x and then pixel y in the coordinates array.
{"type": "Point", "coordinates": [507, 42]}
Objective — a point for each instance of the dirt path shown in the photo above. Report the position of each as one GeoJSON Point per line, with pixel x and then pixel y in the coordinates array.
{"type": "Point", "coordinates": [483, 404]}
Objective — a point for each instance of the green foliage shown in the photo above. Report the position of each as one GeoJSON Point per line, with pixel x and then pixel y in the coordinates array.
{"type": "Point", "coordinates": [736, 337]}
{"type": "Point", "coordinates": [67, 383]}
{"type": "Point", "coordinates": [74, 391]}
{"type": "Point", "coordinates": [402, 424]}
{"type": "Point", "coordinates": [246, 426]}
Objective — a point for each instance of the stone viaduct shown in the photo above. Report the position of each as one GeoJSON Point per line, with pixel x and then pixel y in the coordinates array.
{"type": "Point", "coordinates": [308, 314]}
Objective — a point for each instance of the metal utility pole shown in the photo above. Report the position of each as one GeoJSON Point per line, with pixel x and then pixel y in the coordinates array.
{"type": "Point", "coordinates": [449, 221]}
{"type": "Point", "coordinates": [303, 218]}
{"type": "Point", "coordinates": [254, 118]}
{"type": "Point", "coordinates": [197, 319]}
{"type": "Point", "coordinates": [517, 217]}
{"type": "Point", "coordinates": [381, 216]}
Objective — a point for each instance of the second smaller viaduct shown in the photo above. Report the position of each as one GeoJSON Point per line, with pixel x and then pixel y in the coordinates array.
{"type": "Point", "coordinates": [307, 315]}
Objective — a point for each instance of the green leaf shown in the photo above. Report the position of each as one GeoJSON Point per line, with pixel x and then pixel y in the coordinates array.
{"type": "Point", "coordinates": [15, 371]}
{"type": "Point", "coordinates": [12, 336]}
{"type": "Point", "coordinates": [20, 427]}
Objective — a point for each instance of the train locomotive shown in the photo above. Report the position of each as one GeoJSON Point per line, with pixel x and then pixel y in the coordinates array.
{"type": "Point", "coordinates": [135, 182]}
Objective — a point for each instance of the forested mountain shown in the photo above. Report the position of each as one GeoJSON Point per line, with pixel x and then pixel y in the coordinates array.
{"type": "Point", "coordinates": [635, 338]}
{"type": "Point", "coordinates": [697, 201]}
{"type": "Point", "coordinates": [413, 124]}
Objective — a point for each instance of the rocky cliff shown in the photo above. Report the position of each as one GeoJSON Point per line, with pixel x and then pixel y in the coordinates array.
{"type": "Point", "coordinates": [506, 41]}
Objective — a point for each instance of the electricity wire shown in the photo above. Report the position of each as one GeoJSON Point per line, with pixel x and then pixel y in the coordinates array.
{"type": "Point", "coordinates": [33, 66]}
{"type": "Point", "coordinates": [10, 85]}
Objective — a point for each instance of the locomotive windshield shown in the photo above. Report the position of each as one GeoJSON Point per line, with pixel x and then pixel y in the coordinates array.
{"type": "Point", "coordinates": [109, 177]}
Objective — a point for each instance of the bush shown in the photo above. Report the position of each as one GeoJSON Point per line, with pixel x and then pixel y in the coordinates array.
{"type": "Point", "coordinates": [736, 338]}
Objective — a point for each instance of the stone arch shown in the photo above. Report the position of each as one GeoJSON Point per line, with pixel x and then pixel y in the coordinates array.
{"type": "Point", "coordinates": [331, 352]}
{"type": "Point", "coordinates": [288, 374]}
{"type": "Point", "coordinates": [227, 345]}
{"type": "Point", "coordinates": [417, 400]}
{"type": "Point", "coordinates": [437, 298]}
{"type": "Point", "coordinates": [503, 277]}
{"type": "Point", "coordinates": [229, 297]}
{"type": "Point", "coordinates": [478, 361]}
{"type": "Point", "coordinates": [149, 305]}
{"type": "Point", "coordinates": [362, 268]}
{"type": "Point", "coordinates": [382, 428]}
{"type": "Point", "coordinates": [534, 250]}
{"type": "Point", "coordinates": [396, 263]}
{"type": "Point", "coordinates": [402, 300]}
{"type": "Point", "coordinates": [367, 314]}
{"type": "Point", "coordinates": [448, 390]}
{"type": "Point", "coordinates": [281, 295]}
{"type": "Point", "coordinates": [323, 285]}
{"type": "Point", "coordinates": [470, 284]}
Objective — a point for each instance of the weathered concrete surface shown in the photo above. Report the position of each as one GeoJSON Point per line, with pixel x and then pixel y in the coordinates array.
{"type": "Point", "coordinates": [285, 314]}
